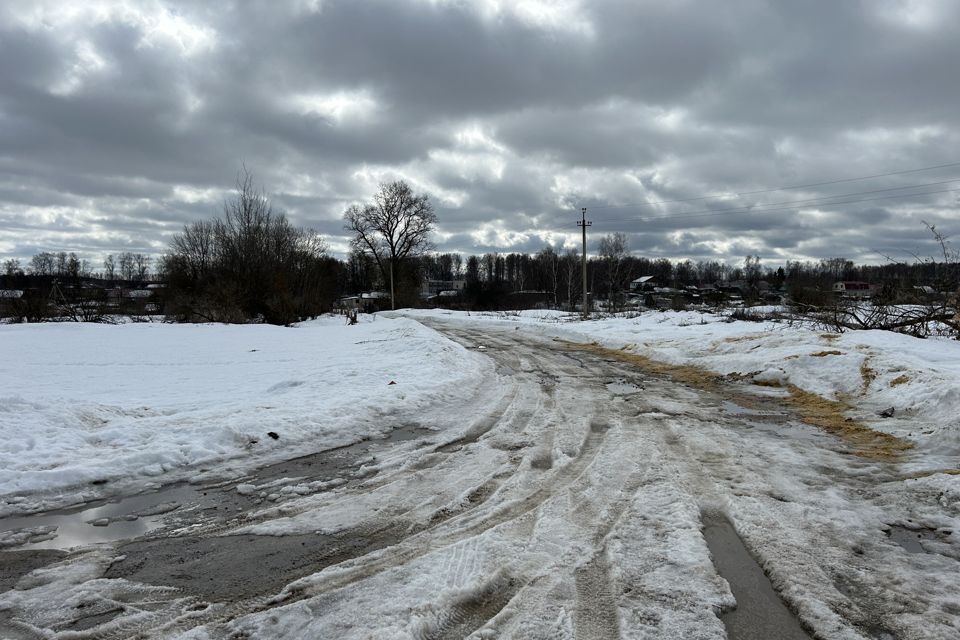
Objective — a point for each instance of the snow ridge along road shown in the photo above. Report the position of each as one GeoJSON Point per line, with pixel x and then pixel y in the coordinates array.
{"type": "Point", "coordinates": [564, 500]}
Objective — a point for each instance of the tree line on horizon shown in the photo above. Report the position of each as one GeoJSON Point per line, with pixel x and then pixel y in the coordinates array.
{"type": "Point", "coordinates": [251, 264]}
{"type": "Point", "coordinates": [281, 291]}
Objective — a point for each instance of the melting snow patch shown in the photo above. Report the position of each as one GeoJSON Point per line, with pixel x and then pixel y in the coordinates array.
{"type": "Point", "coordinates": [246, 489]}
{"type": "Point", "coordinates": [772, 377]}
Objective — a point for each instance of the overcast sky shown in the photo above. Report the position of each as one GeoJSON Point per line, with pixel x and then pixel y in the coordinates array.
{"type": "Point", "coordinates": [122, 121]}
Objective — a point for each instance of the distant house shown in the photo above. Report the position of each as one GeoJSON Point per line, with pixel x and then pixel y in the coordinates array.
{"type": "Point", "coordinates": [529, 299]}
{"type": "Point", "coordinates": [643, 283]}
{"type": "Point", "coordinates": [447, 299]}
{"type": "Point", "coordinates": [374, 301]}
{"type": "Point", "coordinates": [8, 298]}
{"type": "Point", "coordinates": [854, 289]}
{"type": "Point", "coordinates": [349, 303]}
{"type": "Point", "coordinates": [432, 288]}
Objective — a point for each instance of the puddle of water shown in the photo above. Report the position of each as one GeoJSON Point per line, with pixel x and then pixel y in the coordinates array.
{"type": "Point", "coordinates": [760, 614]}
{"type": "Point", "coordinates": [127, 518]}
{"type": "Point", "coordinates": [735, 409]}
{"type": "Point", "coordinates": [911, 539]}
{"type": "Point", "coordinates": [404, 433]}
{"type": "Point", "coordinates": [622, 388]}
{"type": "Point", "coordinates": [766, 392]}
{"type": "Point", "coordinates": [336, 462]}
{"type": "Point", "coordinates": [786, 430]}
{"type": "Point", "coordinates": [137, 515]}
{"type": "Point", "coordinates": [880, 634]}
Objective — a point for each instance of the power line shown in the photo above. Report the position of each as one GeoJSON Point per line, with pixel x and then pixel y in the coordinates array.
{"type": "Point", "coordinates": [772, 189]}
{"type": "Point", "coordinates": [793, 203]}
{"type": "Point", "coordinates": [770, 208]}
{"type": "Point", "coordinates": [762, 209]}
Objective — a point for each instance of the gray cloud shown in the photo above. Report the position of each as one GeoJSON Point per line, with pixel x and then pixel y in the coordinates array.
{"type": "Point", "coordinates": [119, 126]}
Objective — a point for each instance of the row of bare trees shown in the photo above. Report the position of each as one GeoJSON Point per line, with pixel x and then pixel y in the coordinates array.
{"type": "Point", "coordinates": [248, 263]}
{"type": "Point", "coordinates": [127, 266]}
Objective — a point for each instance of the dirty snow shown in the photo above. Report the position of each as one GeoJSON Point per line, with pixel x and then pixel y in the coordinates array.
{"type": "Point", "coordinates": [519, 534]}
{"type": "Point", "coordinates": [870, 370]}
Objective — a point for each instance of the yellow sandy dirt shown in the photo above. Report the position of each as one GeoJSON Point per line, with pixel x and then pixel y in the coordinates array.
{"type": "Point", "coordinates": [810, 408]}
{"type": "Point", "coordinates": [868, 374]}
{"type": "Point", "coordinates": [902, 379]}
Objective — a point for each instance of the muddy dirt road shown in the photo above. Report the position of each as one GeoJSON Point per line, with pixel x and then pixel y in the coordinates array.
{"type": "Point", "coordinates": [579, 497]}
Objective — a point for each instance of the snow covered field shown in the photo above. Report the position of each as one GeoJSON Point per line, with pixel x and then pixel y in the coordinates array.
{"type": "Point", "coordinates": [91, 409]}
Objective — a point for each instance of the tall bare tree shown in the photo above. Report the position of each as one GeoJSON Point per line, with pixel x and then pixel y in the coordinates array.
{"type": "Point", "coordinates": [249, 263]}
{"type": "Point", "coordinates": [127, 266]}
{"type": "Point", "coordinates": [395, 226]}
{"type": "Point", "coordinates": [109, 267]}
{"type": "Point", "coordinates": [12, 267]}
{"type": "Point", "coordinates": [613, 250]}
{"type": "Point", "coordinates": [141, 264]}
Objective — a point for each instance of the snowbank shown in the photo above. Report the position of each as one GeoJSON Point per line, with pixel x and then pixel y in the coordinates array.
{"type": "Point", "coordinates": [85, 405]}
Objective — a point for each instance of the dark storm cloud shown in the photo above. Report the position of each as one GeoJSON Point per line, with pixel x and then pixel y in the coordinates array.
{"type": "Point", "coordinates": [121, 122]}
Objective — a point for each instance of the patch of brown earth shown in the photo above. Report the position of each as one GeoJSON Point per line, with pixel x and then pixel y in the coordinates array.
{"type": "Point", "coordinates": [902, 379]}
{"type": "Point", "coordinates": [810, 408]}
{"type": "Point", "coordinates": [829, 416]}
{"type": "Point", "coordinates": [868, 374]}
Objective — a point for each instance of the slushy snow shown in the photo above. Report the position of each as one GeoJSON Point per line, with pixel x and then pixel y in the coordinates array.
{"type": "Point", "coordinates": [526, 517]}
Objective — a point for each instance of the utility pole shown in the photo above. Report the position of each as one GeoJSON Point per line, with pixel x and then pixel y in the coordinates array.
{"type": "Point", "coordinates": [583, 223]}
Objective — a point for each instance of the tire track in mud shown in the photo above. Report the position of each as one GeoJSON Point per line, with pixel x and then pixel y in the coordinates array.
{"type": "Point", "coordinates": [470, 611]}
{"type": "Point", "coordinates": [456, 528]}
{"type": "Point", "coordinates": [406, 537]}
{"type": "Point", "coordinates": [490, 504]}
{"type": "Point", "coordinates": [596, 610]}
{"type": "Point", "coordinates": [464, 563]}
{"type": "Point", "coordinates": [596, 615]}
{"type": "Point", "coordinates": [596, 603]}
{"type": "Point", "coordinates": [472, 522]}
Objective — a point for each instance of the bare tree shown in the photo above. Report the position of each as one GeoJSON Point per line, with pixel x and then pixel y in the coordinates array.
{"type": "Point", "coordinates": [73, 266]}
{"type": "Point", "coordinates": [42, 264]}
{"type": "Point", "coordinates": [141, 266]}
{"type": "Point", "coordinates": [572, 260]}
{"type": "Point", "coordinates": [395, 226]}
{"type": "Point", "coordinates": [250, 263]}
{"type": "Point", "coordinates": [109, 267]}
{"type": "Point", "coordinates": [194, 246]}
{"type": "Point", "coordinates": [127, 266]}
{"type": "Point", "coordinates": [613, 249]}
{"type": "Point", "coordinates": [752, 273]}
{"type": "Point", "coordinates": [547, 261]}
{"type": "Point", "coordinates": [12, 267]}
